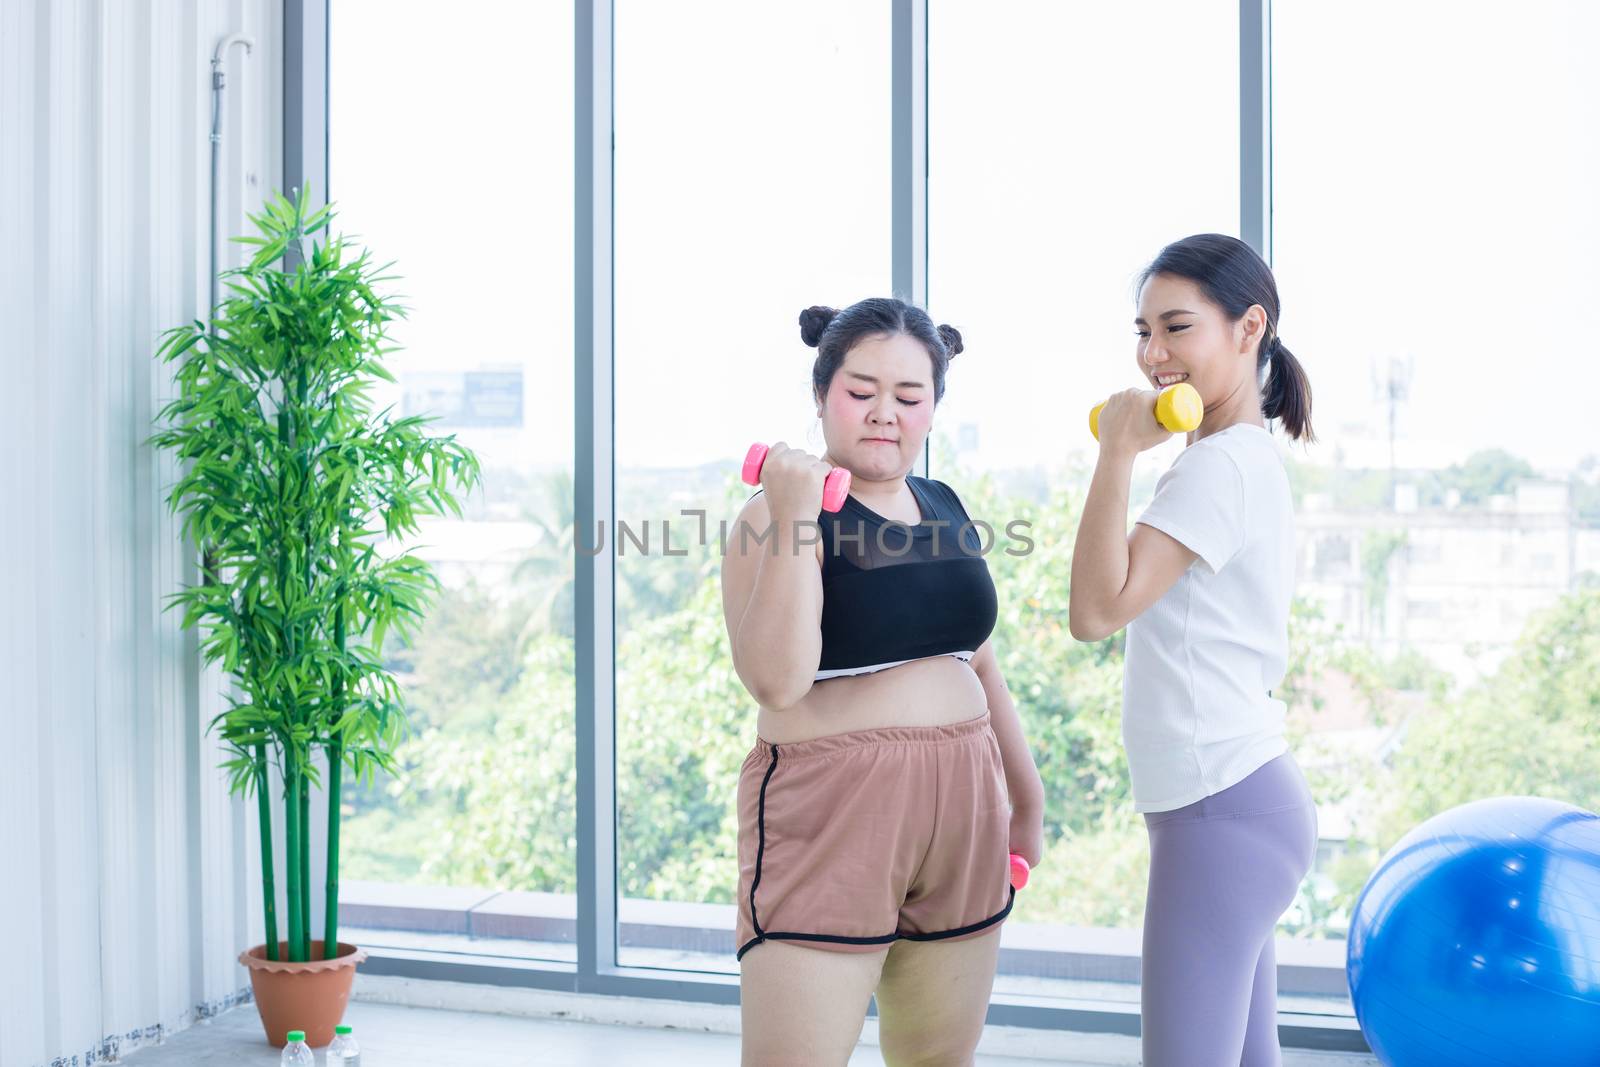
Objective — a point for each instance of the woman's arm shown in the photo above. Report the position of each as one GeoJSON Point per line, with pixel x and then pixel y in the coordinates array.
{"type": "Point", "coordinates": [1116, 575]}
{"type": "Point", "coordinates": [1022, 777]}
{"type": "Point", "coordinates": [772, 606]}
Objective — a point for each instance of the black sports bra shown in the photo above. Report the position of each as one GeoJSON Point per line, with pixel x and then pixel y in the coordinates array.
{"type": "Point", "coordinates": [893, 592]}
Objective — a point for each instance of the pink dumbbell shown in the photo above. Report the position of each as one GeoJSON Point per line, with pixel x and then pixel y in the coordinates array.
{"type": "Point", "coordinates": [1019, 871]}
{"type": "Point", "coordinates": [834, 489]}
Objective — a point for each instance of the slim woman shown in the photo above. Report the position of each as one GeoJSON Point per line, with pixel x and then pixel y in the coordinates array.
{"type": "Point", "coordinates": [1203, 585]}
{"type": "Point", "coordinates": [890, 777]}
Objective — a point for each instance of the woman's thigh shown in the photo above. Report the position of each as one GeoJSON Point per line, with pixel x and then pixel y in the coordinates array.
{"type": "Point", "coordinates": [933, 997]}
{"type": "Point", "coordinates": [804, 1006]}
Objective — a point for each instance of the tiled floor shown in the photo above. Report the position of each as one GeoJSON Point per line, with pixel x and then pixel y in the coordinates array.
{"type": "Point", "coordinates": [404, 1022]}
{"type": "Point", "coordinates": [396, 1036]}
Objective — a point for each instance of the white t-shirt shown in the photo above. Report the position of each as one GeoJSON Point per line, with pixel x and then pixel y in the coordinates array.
{"type": "Point", "coordinates": [1197, 714]}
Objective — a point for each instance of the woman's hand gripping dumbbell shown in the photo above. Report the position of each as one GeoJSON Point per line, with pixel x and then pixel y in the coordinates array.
{"type": "Point", "coordinates": [1177, 408]}
{"type": "Point", "coordinates": [1019, 871]}
{"type": "Point", "coordinates": [803, 479]}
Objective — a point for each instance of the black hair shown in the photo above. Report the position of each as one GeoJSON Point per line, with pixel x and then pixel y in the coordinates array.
{"type": "Point", "coordinates": [833, 333]}
{"type": "Point", "coordinates": [1233, 276]}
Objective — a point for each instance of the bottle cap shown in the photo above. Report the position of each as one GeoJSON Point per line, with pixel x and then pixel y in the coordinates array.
{"type": "Point", "coordinates": [297, 1035]}
{"type": "Point", "coordinates": [341, 1029]}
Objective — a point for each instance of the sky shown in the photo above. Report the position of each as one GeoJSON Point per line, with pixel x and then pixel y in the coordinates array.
{"type": "Point", "coordinates": [1434, 176]}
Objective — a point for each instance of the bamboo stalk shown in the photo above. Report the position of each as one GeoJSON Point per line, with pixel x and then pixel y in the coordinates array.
{"type": "Point", "coordinates": [305, 579]}
{"type": "Point", "coordinates": [293, 827]}
{"type": "Point", "coordinates": [291, 848]}
{"type": "Point", "coordinates": [330, 937]}
{"type": "Point", "coordinates": [305, 864]}
{"type": "Point", "coordinates": [270, 895]}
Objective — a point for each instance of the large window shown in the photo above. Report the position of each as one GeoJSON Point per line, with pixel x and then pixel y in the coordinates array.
{"type": "Point", "coordinates": [1434, 228]}
{"type": "Point", "coordinates": [1061, 160]}
{"type": "Point", "coordinates": [1432, 216]}
{"type": "Point", "coordinates": [451, 154]}
{"type": "Point", "coordinates": [752, 181]}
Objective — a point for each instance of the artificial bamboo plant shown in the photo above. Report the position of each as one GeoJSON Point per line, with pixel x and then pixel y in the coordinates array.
{"type": "Point", "coordinates": [291, 482]}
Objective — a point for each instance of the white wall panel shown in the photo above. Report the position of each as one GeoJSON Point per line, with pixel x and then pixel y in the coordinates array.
{"type": "Point", "coordinates": [126, 891]}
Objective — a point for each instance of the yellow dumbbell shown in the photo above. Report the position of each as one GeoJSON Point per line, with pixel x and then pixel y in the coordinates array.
{"type": "Point", "coordinates": [1178, 408]}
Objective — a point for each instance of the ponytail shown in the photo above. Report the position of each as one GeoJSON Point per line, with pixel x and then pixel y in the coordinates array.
{"type": "Point", "coordinates": [1288, 393]}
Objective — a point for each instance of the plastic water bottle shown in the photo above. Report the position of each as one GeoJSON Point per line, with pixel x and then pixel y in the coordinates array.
{"type": "Point", "coordinates": [344, 1052]}
{"type": "Point", "coordinates": [297, 1053]}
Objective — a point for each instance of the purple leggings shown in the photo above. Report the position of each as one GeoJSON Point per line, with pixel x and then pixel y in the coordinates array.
{"type": "Point", "coordinates": [1222, 871]}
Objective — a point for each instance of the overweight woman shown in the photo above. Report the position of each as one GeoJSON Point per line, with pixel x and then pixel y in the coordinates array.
{"type": "Point", "coordinates": [889, 777]}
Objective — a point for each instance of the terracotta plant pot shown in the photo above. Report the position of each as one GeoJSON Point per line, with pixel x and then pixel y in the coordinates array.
{"type": "Point", "coordinates": [308, 996]}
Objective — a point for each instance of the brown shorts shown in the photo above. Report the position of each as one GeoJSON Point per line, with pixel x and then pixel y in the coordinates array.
{"type": "Point", "coordinates": [853, 841]}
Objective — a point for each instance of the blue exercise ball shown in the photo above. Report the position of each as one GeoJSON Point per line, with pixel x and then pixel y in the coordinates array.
{"type": "Point", "coordinates": [1477, 940]}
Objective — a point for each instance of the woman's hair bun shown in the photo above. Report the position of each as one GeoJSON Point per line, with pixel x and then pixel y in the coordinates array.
{"type": "Point", "coordinates": [952, 339]}
{"type": "Point", "coordinates": [813, 320]}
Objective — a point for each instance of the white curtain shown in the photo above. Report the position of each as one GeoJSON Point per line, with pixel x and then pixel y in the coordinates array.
{"type": "Point", "coordinates": [130, 877]}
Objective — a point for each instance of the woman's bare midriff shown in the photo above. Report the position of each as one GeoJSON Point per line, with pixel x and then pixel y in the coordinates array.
{"type": "Point", "coordinates": [925, 692]}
